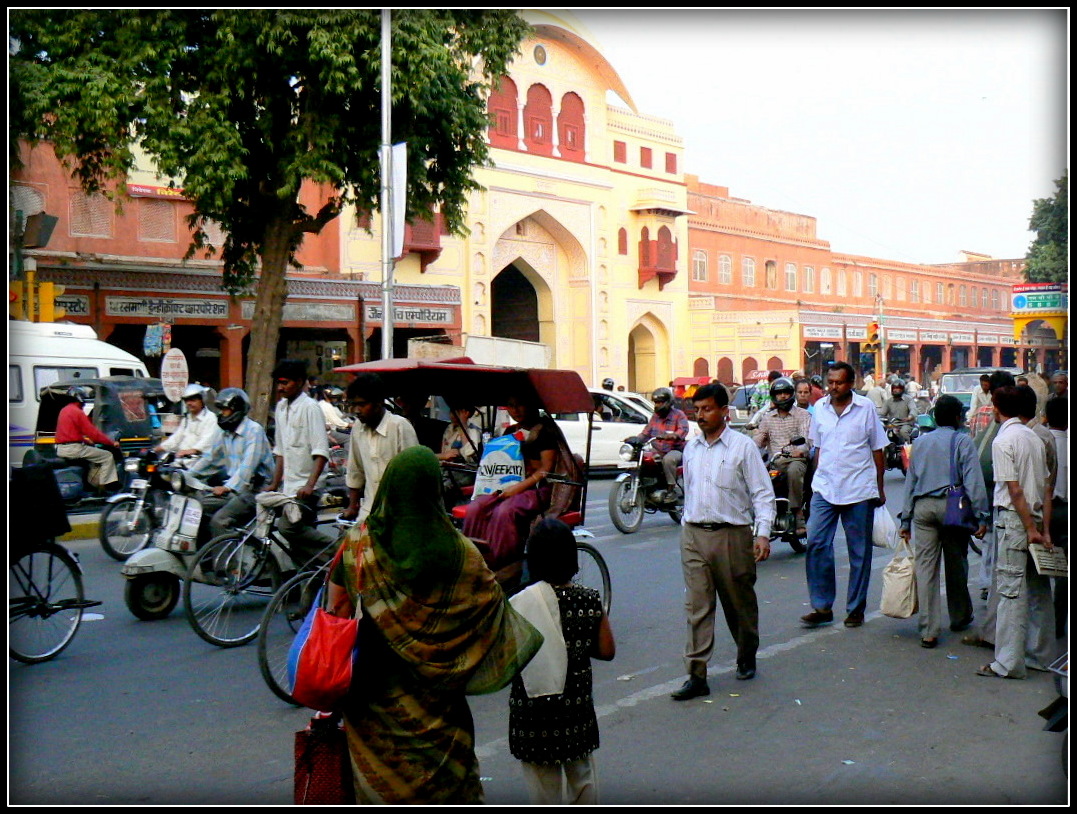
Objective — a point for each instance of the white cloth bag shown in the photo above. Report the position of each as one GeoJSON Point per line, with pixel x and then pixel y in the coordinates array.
{"type": "Point", "coordinates": [899, 585]}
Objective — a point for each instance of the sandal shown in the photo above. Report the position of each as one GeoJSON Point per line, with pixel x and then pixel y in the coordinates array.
{"type": "Point", "coordinates": [929, 643]}
{"type": "Point", "coordinates": [987, 671]}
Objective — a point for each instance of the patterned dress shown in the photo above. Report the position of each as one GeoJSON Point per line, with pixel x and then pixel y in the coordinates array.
{"type": "Point", "coordinates": [554, 729]}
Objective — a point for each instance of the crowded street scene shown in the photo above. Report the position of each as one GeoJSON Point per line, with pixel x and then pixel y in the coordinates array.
{"type": "Point", "coordinates": [445, 431]}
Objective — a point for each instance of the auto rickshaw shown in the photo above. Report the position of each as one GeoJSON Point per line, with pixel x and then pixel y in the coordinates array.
{"type": "Point", "coordinates": [129, 409]}
{"type": "Point", "coordinates": [487, 387]}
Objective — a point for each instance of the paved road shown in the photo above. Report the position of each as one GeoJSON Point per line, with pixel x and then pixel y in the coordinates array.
{"type": "Point", "coordinates": [139, 712]}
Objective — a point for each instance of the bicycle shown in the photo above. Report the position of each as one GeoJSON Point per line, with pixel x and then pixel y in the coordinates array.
{"type": "Point", "coordinates": [235, 576]}
{"type": "Point", "coordinates": [45, 599]}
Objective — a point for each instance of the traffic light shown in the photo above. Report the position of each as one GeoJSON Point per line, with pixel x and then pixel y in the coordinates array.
{"type": "Point", "coordinates": [871, 343]}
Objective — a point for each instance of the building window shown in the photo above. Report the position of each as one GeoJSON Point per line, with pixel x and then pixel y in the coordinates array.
{"type": "Point", "coordinates": [671, 163]}
{"type": "Point", "coordinates": [950, 294]}
{"type": "Point", "coordinates": [824, 281]}
{"type": "Point", "coordinates": [504, 110]}
{"type": "Point", "coordinates": [747, 272]}
{"type": "Point", "coordinates": [156, 221]}
{"type": "Point", "coordinates": [622, 241]}
{"type": "Point", "coordinates": [858, 284]}
{"type": "Point", "coordinates": [962, 297]}
{"type": "Point", "coordinates": [983, 299]}
{"type": "Point", "coordinates": [809, 279]}
{"type": "Point", "coordinates": [841, 283]}
{"type": "Point", "coordinates": [91, 215]}
{"type": "Point", "coordinates": [725, 269]}
{"type": "Point", "coordinates": [994, 299]}
{"type": "Point", "coordinates": [888, 287]}
{"type": "Point", "coordinates": [699, 266]}
{"type": "Point", "coordinates": [899, 289]}
{"type": "Point", "coordinates": [873, 285]}
{"type": "Point", "coordinates": [772, 275]}
{"type": "Point", "coordinates": [914, 291]}
{"type": "Point", "coordinates": [570, 123]}
{"type": "Point", "coordinates": [938, 294]}
{"type": "Point", "coordinates": [28, 199]}
{"type": "Point", "coordinates": [620, 152]}
{"type": "Point", "coordinates": [645, 157]}
{"type": "Point", "coordinates": [790, 276]}
{"type": "Point", "coordinates": [538, 114]}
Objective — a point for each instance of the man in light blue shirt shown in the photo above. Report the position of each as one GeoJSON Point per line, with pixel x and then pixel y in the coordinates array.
{"type": "Point", "coordinates": [848, 439]}
{"type": "Point", "coordinates": [728, 514]}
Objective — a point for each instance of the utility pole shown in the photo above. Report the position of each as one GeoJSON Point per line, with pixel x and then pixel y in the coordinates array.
{"type": "Point", "coordinates": [386, 203]}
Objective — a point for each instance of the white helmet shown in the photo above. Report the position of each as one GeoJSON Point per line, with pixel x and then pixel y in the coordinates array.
{"type": "Point", "coordinates": [194, 391]}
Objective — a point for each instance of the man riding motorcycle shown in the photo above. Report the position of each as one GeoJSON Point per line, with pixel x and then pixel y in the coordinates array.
{"type": "Point", "coordinates": [777, 427]}
{"type": "Point", "coordinates": [669, 427]}
{"type": "Point", "coordinates": [901, 407]}
{"type": "Point", "coordinates": [197, 432]}
{"type": "Point", "coordinates": [241, 457]}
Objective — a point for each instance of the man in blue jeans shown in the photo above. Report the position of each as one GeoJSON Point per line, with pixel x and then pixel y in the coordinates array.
{"type": "Point", "coordinates": [849, 440]}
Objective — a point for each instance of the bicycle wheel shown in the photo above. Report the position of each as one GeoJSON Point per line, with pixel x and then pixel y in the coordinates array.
{"type": "Point", "coordinates": [45, 603]}
{"type": "Point", "coordinates": [593, 573]}
{"type": "Point", "coordinates": [279, 625]}
{"type": "Point", "coordinates": [123, 531]}
{"type": "Point", "coordinates": [228, 585]}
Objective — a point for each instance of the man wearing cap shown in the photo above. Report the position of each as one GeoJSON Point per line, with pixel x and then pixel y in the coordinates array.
{"type": "Point", "coordinates": [197, 431]}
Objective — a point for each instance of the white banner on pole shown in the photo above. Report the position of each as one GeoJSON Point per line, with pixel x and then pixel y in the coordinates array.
{"type": "Point", "coordinates": [399, 195]}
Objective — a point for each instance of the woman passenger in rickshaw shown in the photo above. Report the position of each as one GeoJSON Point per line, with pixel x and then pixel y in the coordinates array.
{"type": "Point", "coordinates": [503, 519]}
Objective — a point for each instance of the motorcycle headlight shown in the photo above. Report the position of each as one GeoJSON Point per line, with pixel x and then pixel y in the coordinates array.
{"type": "Point", "coordinates": [130, 465]}
{"type": "Point", "coordinates": [176, 480]}
{"type": "Point", "coordinates": [627, 453]}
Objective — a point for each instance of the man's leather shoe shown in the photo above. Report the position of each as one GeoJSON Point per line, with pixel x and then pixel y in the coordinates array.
{"type": "Point", "coordinates": [746, 671]}
{"type": "Point", "coordinates": [817, 617]}
{"type": "Point", "coordinates": [692, 688]}
{"type": "Point", "coordinates": [854, 619]}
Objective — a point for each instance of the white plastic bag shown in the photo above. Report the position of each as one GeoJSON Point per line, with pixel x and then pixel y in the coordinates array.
{"type": "Point", "coordinates": [899, 598]}
{"type": "Point", "coordinates": [884, 532]}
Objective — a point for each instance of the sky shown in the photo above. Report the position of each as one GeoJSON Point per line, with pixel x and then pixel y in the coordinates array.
{"type": "Point", "coordinates": [908, 135]}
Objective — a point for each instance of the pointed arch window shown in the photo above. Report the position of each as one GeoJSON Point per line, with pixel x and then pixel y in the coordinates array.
{"type": "Point", "coordinates": [570, 128]}
{"type": "Point", "coordinates": [504, 111]}
{"type": "Point", "coordinates": [538, 121]}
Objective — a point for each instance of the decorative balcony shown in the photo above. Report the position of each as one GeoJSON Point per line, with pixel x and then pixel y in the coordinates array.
{"type": "Point", "coordinates": [423, 237]}
{"type": "Point", "coordinates": [657, 259]}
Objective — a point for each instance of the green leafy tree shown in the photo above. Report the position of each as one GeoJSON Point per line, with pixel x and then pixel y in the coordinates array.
{"type": "Point", "coordinates": [243, 106]}
{"type": "Point", "coordinates": [1048, 256]}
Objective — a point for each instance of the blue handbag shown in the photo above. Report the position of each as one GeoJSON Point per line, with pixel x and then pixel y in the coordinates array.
{"type": "Point", "coordinates": [959, 512]}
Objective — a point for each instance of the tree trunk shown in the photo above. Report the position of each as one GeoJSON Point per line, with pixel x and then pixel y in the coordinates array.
{"type": "Point", "coordinates": [268, 314]}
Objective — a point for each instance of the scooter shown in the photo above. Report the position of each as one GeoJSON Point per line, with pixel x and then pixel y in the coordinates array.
{"type": "Point", "coordinates": [642, 489]}
{"type": "Point", "coordinates": [155, 574]}
{"type": "Point", "coordinates": [785, 519]}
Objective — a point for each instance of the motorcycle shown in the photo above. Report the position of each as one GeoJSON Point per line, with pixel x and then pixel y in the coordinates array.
{"type": "Point", "coordinates": [896, 454]}
{"type": "Point", "coordinates": [785, 518]}
{"type": "Point", "coordinates": [155, 573]}
{"type": "Point", "coordinates": [130, 516]}
{"type": "Point", "coordinates": [1057, 712]}
{"type": "Point", "coordinates": [642, 489]}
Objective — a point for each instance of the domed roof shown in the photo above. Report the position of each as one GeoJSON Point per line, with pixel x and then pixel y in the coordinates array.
{"type": "Point", "coordinates": [563, 27]}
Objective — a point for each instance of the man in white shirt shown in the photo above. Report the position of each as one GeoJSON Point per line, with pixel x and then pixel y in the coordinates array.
{"type": "Point", "coordinates": [1024, 597]}
{"type": "Point", "coordinates": [848, 439]}
{"type": "Point", "coordinates": [198, 429]}
{"type": "Point", "coordinates": [728, 514]}
{"type": "Point", "coordinates": [1057, 415]}
{"type": "Point", "coordinates": [300, 450]}
{"type": "Point", "coordinates": [981, 396]}
{"type": "Point", "coordinates": [377, 436]}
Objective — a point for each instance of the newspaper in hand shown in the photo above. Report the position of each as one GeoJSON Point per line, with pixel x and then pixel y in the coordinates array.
{"type": "Point", "coordinates": [1049, 563]}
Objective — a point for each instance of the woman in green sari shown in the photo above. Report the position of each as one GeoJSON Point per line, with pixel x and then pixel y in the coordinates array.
{"type": "Point", "coordinates": [436, 627]}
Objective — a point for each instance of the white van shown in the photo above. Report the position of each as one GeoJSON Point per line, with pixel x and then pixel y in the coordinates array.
{"type": "Point", "coordinates": [41, 353]}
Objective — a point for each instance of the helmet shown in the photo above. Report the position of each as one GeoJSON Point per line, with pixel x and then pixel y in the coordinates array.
{"type": "Point", "coordinates": [662, 394]}
{"type": "Point", "coordinates": [896, 382]}
{"type": "Point", "coordinates": [607, 384]}
{"type": "Point", "coordinates": [782, 392]}
{"type": "Point", "coordinates": [235, 400]}
{"type": "Point", "coordinates": [194, 391]}
{"type": "Point", "coordinates": [332, 392]}
{"type": "Point", "coordinates": [817, 380]}
{"type": "Point", "coordinates": [80, 393]}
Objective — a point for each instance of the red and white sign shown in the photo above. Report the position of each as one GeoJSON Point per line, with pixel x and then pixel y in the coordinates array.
{"type": "Point", "coordinates": [174, 374]}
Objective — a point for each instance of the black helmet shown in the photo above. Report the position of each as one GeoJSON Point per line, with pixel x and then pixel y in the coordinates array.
{"type": "Point", "coordinates": [896, 382]}
{"type": "Point", "coordinates": [782, 392]}
{"type": "Point", "coordinates": [817, 380]}
{"type": "Point", "coordinates": [235, 400]}
{"type": "Point", "coordinates": [607, 384]}
{"type": "Point", "coordinates": [662, 394]}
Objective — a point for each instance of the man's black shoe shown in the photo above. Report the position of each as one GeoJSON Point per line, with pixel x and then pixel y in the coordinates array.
{"type": "Point", "coordinates": [746, 671]}
{"type": "Point", "coordinates": [817, 617]}
{"type": "Point", "coordinates": [854, 619]}
{"type": "Point", "coordinates": [692, 688]}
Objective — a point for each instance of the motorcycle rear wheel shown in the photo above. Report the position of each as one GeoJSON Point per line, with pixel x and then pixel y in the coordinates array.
{"type": "Point", "coordinates": [151, 596]}
{"type": "Point", "coordinates": [627, 517]}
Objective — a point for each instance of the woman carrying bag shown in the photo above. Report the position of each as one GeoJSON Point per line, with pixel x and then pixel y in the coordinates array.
{"type": "Point", "coordinates": [436, 627]}
{"type": "Point", "coordinates": [943, 461]}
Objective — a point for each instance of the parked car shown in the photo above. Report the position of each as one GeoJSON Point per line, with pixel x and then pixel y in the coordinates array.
{"type": "Point", "coordinates": [961, 381]}
{"type": "Point", "coordinates": [620, 415]}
